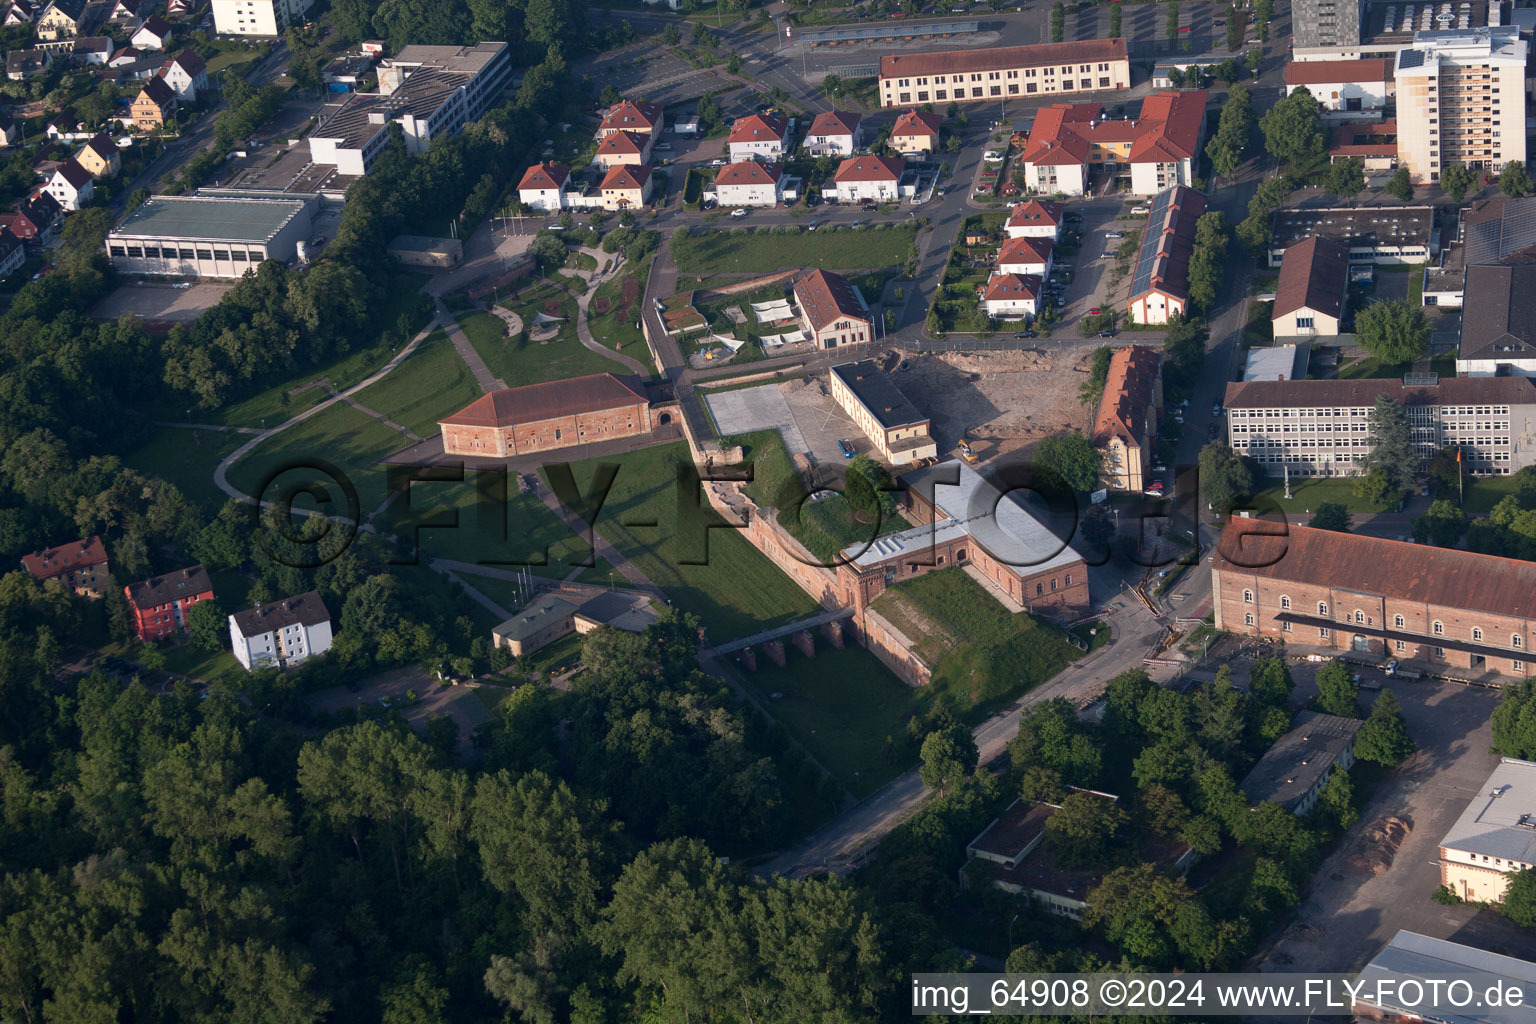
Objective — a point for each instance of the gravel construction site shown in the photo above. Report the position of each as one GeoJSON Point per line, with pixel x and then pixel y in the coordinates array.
{"type": "Point", "coordinates": [1001, 402]}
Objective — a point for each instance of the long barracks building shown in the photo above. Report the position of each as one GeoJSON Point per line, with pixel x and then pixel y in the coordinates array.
{"type": "Point", "coordinates": [1003, 72]}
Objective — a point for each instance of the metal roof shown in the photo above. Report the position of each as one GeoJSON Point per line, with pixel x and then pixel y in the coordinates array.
{"type": "Point", "coordinates": [1411, 955]}
{"type": "Point", "coordinates": [1500, 819]}
{"type": "Point", "coordinates": [210, 218]}
{"type": "Point", "coordinates": [1300, 758]}
{"type": "Point", "coordinates": [896, 29]}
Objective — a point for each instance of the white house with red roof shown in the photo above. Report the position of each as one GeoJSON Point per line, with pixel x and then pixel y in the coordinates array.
{"type": "Point", "coordinates": [1026, 255]}
{"type": "Point", "coordinates": [544, 186]}
{"type": "Point", "coordinates": [865, 178]}
{"type": "Point", "coordinates": [1012, 296]}
{"type": "Point", "coordinates": [758, 137]}
{"type": "Point", "coordinates": [915, 132]}
{"type": "Point", "coordinates": [626, 187]}
{"type": "Point", "coordinates": [832, 311]}
{"type": "Point", "coordinates": [833, 133]}
{"type": "Point", "coordinates": [1156, 149]}
{"type": "Point", "coordinates": [623, 147]}
{"type": "Point", "coordinates": [630, 116]}
{"type": "Point", "coordinates": [1034, 218]}
{"type": "Point", "coordinates": [749, 183]}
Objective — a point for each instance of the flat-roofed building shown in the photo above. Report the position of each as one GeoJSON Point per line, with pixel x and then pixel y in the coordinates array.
{"type": "Point", "coordinates": [1125, 429]}
{"type": "Point", "coordinates": [261, 18]}
{"type": "Point", "coordinates": [1411, 958]}
{"type": "Point", "coordinates": [1321, 428]}
{"type": "Point", "coordinates": [1313, 287]}
{"type": "Point", "coordinates": [555, 615]}
{"type": "Point", "coordinates": [422, 251]}
{"type": "Point", "coordinates": [1495, 835]}
{"type": "Point", "coordinates": [210, 236]}
{"type": "Point", "coordinates": [1456, 612]}
{"type": "Point", "coordinates": [1373, 143]}
{"type": "Point", "coordinates": [886, 416]}
{"type": "Point", "coordinates": [1004, 72]}
{"type": "Point", "coordinates": [1160, 284]}
{"type": "Point", "coordinates": [281, 633]}
{"type": "Point", "coordinates": [1293, 770]}
{"type": "Point", "coordinates": [1384, 235]}
{"type": "Point", "coordinates": [1461, 100]}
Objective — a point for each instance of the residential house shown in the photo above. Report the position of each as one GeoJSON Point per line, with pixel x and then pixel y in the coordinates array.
{"type": "Point", "coordinates": [543, 187]}
{"type": "Point", "coordinates": [916, 132]}
{"type": "Point", "coordinates": [71, 185]}
{"type": "Point", "coordinates": [758, 137]}
{"type": "Point", "coordinates": [1313, 289]}
{"type": "Point", "coordinates": [631, 116]}
{"type": "Point", "coordinates": [868, 178]}
{"type": "Point", "coordinates": [281, 633]}
{"type": "Point", "coordinates": [127, 55]}
{"type": "Point", "coordinates": [20, 12]}
{"type": "Point", "coordinates": [1154, 150]}
{"type": "Point", "coordinates": [176, 10]}
{"type": "Point", "coordinates": [1025, 255]}
{"type": "Point", "coordinates": [623, 148]}
{"type": "Point", "coordinates": [749, 183]}
{"type": "Point", "coordinates": [61, 19]}
{"type": "Point", "coordinates": [1294, 770]}
{"type": "Point", "coordinates": [80, 565]}
{"type": "Point", "coordinates": [1125, 427]}
{"type": "Point", "coordinates": [626, 187]}
{"type": "Point", "coordinates": [23, 64]}
{"type": "Point", "coordinates": [126, 12]}
{"type": "Point", "coordinates": [159, 605]}
{"type": "Point", "coordinates": [10, 130]}
{"type": "Point", "coordinates": [901, 435]}
{"type": "Point", "coordinates": [832, 133]}
{"type": "Point", "coordinates": [542, 417]}
{"type": "Point", "coordinates": [1454, 612]}
{"type": "Point", "coordinates": [154, 106]}
{"type": "Point", "coordinates": [1012, 296]}
{"type": "Point", "coordinates": [832, 311]}
{"type": "Point", "coordinates": [100, 157]}
{"type": "Point", "coordinates": [1495, 837]}
{"type": "Point", "coordinates": [64, 124]}
{"type": "Point", "coordinates": [1344, 88]}
{"type": "Point", "coordinates": [1034, 218]}
{"type": "Point", "coordinates": [154, 34]}
{"type": "Point", "coordinates": [1000, 73]}
{"type": "Point", "coordinates": [1160, 288]}
{"type": "Point", "coordinates": [187, 76]}
{"type": "Point", "coordinates": [12, 253]}
{"type": "Point", "coordinates": [92, 50]}
{"type": "Point", "coordinates": [36, 220]}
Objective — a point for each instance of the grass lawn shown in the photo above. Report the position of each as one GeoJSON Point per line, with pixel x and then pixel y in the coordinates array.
{"type": "Point", "coordinates": [763, 251]}
{"type": "Point", "coordinates": [621, 333]}
{"type": "Point", "coordinates": [519, 361]}
{"type": "Point", "coordinates": [1370, 366]}
{"type": "Point", "coordinates": [712, 573]}
{"type": "Point", "coordinates": [210, 666]}
{"type": "Point", "coordinates": [431, 383]}
{"type": "Point", "coordinates": [1484, 492]}
{"type": "Point", "coordinates": [187, 458]}
{"type": "Point", "coordinates": [841, 706]}
{"type": "Point", "coordinates": [232, 59]}
{"type": "Point", "coordinates": [1308, 494]}
{"type": "Point", "coordinates": [340, 435]}
{"type": "Point", "coordinates": [982, 654]}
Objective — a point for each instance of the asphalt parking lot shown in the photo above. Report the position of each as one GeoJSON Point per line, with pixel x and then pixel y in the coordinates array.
{"type": "Point", "coordinates": [165, 303]}
{"type": "Point", "coordinates": [1089, 288]}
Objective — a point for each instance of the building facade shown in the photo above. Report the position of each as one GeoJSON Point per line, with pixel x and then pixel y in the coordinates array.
{"type": "Point", "coordinates": [901, 435]}
{"type": "Point", "coordinates": [210, 236]}
{"type": "Point", "coordinates": [1152, 151]}
{"type": "Point", "coordinates": [282, 633]}
{"type": "Point", "coordinates": [1322, 428]}
{"type": "Point", "coordinates": [1461, 100]}
{"type": "Point", "coordinates": [868, 178]}
{"type": "Point", "coordinates": [832, 133]}
{"type": "Point", "coordinates": [1012, 296]}
{"type": "Point", "coordinates": [1333, 23]}
{"type": "Point", "coordinates": [748, 183]}
{"type": "Point", "coordinates": [1344, 88]}
{"type": "Point", "coordinates": [758, 137]}
{"type": "Point", "coordinates": [1025, 255]}
{"type": "Point", "coordinates": [1313, 287]}
{"type": "Point", "coordinates": [623, 148]}
{"type": "Point", "coordinates": [266, 18]}
{"type": "Point", "coordinates": [545, 417]}
{"type": "Point", "coordinates": [1125, 429]}
{"type": "Point", "coordinates": [81, 566]}
{"type": "Point", "coordinates": [1034, 218]}
{"type": "Point", "coordinates": [1494, 837]}
{"type": "Point", "coordinates": [543, 187]}
{"type": "Point", "coordinates": [626, 187]}
{"type": "Point", "coordinates": [1456, 612]}
{"type": "Point", "coordinates": [159, 605]}
{"type": "Point", "coordinates": [832, 311]}
{"type": "Point", "coordinates": [915, 133]}
{"type": "Point", "coordinates": [1160, 285]}
{"type": "Point", "coordinates": [999, 73]}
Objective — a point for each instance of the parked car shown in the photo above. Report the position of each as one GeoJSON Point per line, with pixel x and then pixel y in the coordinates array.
{"type": "Point", "coordinates": [1024, 334]}
{"type": "Point", "coordinates": [718, 161]}
{"type": "Point", "coordinates": [663, 147]}
{"type": "Point", "coordinates": [1155, 487]}
{"type": "Point", "coordinates": [1114, 234]}
{"type": "Point", "coordinates": [1138, 211]}
{"type": "Point", "coordinates": [1158, 467]}
{"type": "Point", "coordinates": [1095, 311]}
{"type": "Point", "coordinates": [846, 448]}
{"type": "Point", "coordinates": [870, 207]}
{"type": "Point", "coordinates": [740, 211]}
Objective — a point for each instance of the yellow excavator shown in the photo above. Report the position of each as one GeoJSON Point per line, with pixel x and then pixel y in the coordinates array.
{"type": "Point", "coordinates": [964, 448]}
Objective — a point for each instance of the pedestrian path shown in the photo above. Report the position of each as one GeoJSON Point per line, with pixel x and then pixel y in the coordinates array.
{"type": "Point", "coordinates": [487, 381]}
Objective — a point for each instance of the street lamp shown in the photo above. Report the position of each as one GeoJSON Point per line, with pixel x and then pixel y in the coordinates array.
{"type": "Point", "coordinates": [1010, 933]}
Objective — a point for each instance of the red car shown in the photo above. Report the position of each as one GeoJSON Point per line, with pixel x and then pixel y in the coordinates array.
{"type": "Point", "coordinates": [1095, 311]}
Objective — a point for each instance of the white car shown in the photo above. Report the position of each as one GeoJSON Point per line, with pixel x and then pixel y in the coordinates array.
{"type": "Point", "coordinates": [740, 211]}
{"type": "Point", "coordinates": [718, 161]}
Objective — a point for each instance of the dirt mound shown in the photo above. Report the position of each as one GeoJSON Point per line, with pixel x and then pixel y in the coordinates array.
{"type": "Point", "coordinates": [1378, 845]}
{"type": "Point", "coordinates": [999, 362]}
{"type": "Point", "coordinates": [552, 307]}
{"type": "Point", "coordinates": [600, 305]}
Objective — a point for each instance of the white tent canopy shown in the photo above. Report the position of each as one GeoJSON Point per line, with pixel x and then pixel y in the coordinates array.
{"type": "Point", "coordinates": [778, 309]}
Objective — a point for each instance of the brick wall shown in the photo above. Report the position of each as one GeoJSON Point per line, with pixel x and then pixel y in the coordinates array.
{"type": "Point", "coordinates": [546, 435]}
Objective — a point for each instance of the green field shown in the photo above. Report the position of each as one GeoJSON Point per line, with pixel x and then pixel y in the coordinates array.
{"type": "Point", "coordinates": [210, 666]}
{"type": "Point", "coordinates": [1444, 365]}
{"type": "Point", "coordinates": [340, 435]}
{"type": "Point", "coordinates": [519, 361]}
{"type": "Point", "coordinates": [762, 251]}
{"type": "Point", "coordinates": [431, 383]}
{"type": "Point", "coordinates": [982, 654]}
{"type": "Point", "coordinates": [841, 706]}
{"type": "Point", "coordinates": [712, 573]}
{"type": "Point", "coordinates": [607, 329]}
{"type": "Point", "coordinates": [1307, 495]}
{"type": "Point", "coordinates": [1485, 492]}
{"type": "Point", "coordinates": [187, 458]}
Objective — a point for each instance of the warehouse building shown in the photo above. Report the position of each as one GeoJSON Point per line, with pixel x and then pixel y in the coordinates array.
{"type": "Point", "coordinates": [888, 418]}
{"type": "Point", "coordinates": [210, 236]}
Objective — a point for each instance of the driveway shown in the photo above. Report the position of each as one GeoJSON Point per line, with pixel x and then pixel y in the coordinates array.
{"type": "Point", "coordinates": [457, 702]}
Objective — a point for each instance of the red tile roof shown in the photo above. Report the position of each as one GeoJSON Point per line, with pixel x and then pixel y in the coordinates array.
{"type": "Point", "coordinates": [1128, 392]}
{"type": "Point", "coordinates": [834, 122]}
{"type": "Point", "coordinates": [77, 554]}
{"type": "Point", "coordinates": [1170, 124]}
{"type": "Point", "coordinates": [1372, 138]}
{"type": "Point", "coordinates": [545, 176]}
{"type": "Point", "coordinates": [870, 168]}
{"type": "Point", "coordinates": [1331, 72]}
{"type": "Point", "coordinates": [1035, 213]}
{"type": "Point", "coordinates": [1314, 274]}
{"type": "Point", "coordinates": [1422, 573]}
{"type": "Point", "coordinates": [758, 128]}
{"type": "Point", "coordinates": [626, 176]}
{"type": "Point", "coordinates": [622, 143]}
{"type": "Point", "coordinates": [1167, 129]}
{"type": "Point", "coordinates": [1025, 250]}
{"type": "Point", "coordinates": [545, 401]}
{"type": "Point", "coordinates": [917, 122]}
{"type": "Point", "coordinates": [632, 116]}
{"type": "Point", "coordinates": [747, 172]}
{"type": "Point", "coordinates": [825, 298]}
{"type": "Point", "coordinates": [1012, 286]}
{"type": "Point", "coordinates": [999, 57]}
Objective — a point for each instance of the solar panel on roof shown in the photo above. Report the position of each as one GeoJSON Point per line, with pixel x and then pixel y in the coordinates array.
{"type": "Point", "coordinates": [1410, 59]}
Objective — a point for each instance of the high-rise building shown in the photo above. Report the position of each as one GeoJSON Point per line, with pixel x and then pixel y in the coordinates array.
{"type": "Point", "coordinates": [257, 17]}
{"type": "Point", "coordinates": [1461, 100]}
{"type": "Point", "coordinates": [1327, 22]}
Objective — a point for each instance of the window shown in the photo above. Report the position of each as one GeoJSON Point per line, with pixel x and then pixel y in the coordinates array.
{"type": "Point", "coordinates": [1322, 607]}
{"type": "Point", "coordinates": [1359, 615]}
{"type": "Point", "coordinates": [1439, 652]}
{"type": "Point", "coordinates": [1439, 629]}
{"type": "Point", "coordinates": [1399, 621]}
{"type": "Point", "coordinates": [1477, 632]}
{"type": "Point", "coordinates": [1518, 666]}
{"type": "Point", "coordinates": [1285, 627]}
{"type": "Point", "coordinates": [1516, 640]}
{"type": "Point", "coordinates": [1053, 585]}
{"type": "Point", "coordinates": [1039, 589]}
{"type": "Point", "coordinates": [1285, 602]}
{"type": "Point", "coordinates": [1247, 597]}
{"type": "Point", "coordinates": [1248, 619]}
{"type": "Point", "coordinates": [1324, 632]}
{"type": "Point", "coordinates": [1068, 583]}
{"type": "Point", "coordinates": [1399, 645]}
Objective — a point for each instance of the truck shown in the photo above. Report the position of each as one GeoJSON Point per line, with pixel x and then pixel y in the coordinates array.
{"type": "Point", "coordinates": [1397, 671]}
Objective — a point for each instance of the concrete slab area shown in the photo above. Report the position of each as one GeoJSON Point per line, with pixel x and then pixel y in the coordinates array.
{"type": "Point", "coordinates": [761, 408]}
{"type": "Point", "coordinates": [166, 303]}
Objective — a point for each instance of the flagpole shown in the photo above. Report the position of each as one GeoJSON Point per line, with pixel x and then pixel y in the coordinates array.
{"type": "Point", "coordinates": [1461, 492]}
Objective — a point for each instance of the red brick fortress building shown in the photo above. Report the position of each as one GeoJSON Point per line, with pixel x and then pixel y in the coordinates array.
{"type": "Point", "coordinates": [1450, 610]}
{"type": "Point", "coordinates": [543, 417]}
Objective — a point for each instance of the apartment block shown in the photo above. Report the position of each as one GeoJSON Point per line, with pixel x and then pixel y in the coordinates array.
{"type": "Point", "coordinates": [1461, 100]}
{"type": "Point", "coordinates": [1327, 22]}
{"type": "Point", "coordinates": [1001, 72]}
{"type": "Point", "coordinates": [281, 633]}
{"type": "Point", "coordinates": [257, 17]}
